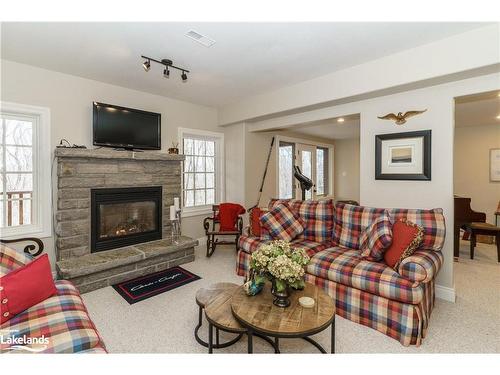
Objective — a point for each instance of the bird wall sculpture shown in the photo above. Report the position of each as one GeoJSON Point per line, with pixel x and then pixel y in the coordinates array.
{"type": "Point", "coordinates": [400, 118]}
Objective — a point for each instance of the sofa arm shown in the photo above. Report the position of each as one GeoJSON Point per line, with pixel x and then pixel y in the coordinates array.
{"type": "Point", "coordinates": [422, 266]}
{"type": "Point", "coordinates": [250, 244]}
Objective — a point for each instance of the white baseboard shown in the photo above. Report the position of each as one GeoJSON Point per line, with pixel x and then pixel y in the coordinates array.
{"type": "Point", "coordinates": [445, 293]}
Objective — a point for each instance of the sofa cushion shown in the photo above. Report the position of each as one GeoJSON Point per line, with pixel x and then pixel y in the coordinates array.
{"type": "Point", "coordinates": [282, 222]}
{"type": "Point", "coordinates": [11, 259]}
{"type": "Point", "coordinates": [376, 238]}
{"type": "Point", "coordinates": [347, 267]}
{"type": "Point", "coordinates": [432, 221]}
{"type": "Point", "coordinates": [62, 318]}
{"type": "Point", "coordinates": [350, 221]}
{"type": "Point", "coordinates": [251, 244]}
{"type": "Point", "coordinates": [317, 215]}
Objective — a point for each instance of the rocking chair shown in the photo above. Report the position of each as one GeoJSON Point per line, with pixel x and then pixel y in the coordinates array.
{"type": "Point", "coordinates": [212, 229]}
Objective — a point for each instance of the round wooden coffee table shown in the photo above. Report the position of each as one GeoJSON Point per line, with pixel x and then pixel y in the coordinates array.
{"type": "Point", "coordinates": [259, 316]}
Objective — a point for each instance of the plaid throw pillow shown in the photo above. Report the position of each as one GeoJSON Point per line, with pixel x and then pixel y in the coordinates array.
{"type": "Point", "coordinates": [283, 223]}
{"type": "Point", "coordinates": [350, 221]}
{"type": "Point", "coordinates": [376, 238]}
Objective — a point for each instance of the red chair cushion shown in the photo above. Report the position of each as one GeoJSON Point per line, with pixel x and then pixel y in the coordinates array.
{"type": "Point", "coordinates": [406, 238]}
{"type": "Point", "coordinates": [25, 287]}
{"type": "Point", "coordinates": [228, 216]}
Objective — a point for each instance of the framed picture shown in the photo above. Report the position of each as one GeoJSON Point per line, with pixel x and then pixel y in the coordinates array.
{"type": "Point", "coordinates": [403, 156]}
{"type": "Point", "coordinates": [495, 165]}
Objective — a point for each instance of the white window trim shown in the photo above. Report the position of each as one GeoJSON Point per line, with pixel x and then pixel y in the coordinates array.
{"type": "Point", "coordinates": [42, 182]}
{"type": "Point", "coordinates": [220, 191]}
{"type": "Point", "coordinates": [331, 150]}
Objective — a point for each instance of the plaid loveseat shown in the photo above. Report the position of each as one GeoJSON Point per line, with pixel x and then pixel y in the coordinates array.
{"type": "Point", "coordinates": [62, 318]}
{"type": "Point", "coordinates": [397, 303]}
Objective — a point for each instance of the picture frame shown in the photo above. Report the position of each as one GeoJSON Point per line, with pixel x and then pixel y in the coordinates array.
{"type": "Point", "coordinates": [495, 165]}
{"type": "Point", "coordinates": [403, 156]}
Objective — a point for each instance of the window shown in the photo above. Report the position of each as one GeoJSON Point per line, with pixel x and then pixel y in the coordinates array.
{"type": "Point", "coordinates": [24, 171]}
{"type": "Point", "coordinates": [202, 169]}
{"type": "Point", "coordinates": [321, 171]}
{"type": "Point", "coordinates": [286, 162]}
{"type": "Point", "coordinates": [313, 160]}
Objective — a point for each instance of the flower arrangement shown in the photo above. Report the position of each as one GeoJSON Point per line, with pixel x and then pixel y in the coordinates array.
{"type": "Point", "coordinates": [280, 263]}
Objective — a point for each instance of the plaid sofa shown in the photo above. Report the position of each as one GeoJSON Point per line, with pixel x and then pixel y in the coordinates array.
{"type": "Point", "coordinates": [62, 318]}
{"type": "Point", "coordinates": [397, 303]}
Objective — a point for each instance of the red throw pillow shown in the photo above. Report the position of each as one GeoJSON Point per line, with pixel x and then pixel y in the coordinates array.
{"type": "Point", "coordinates": [283, 223]}
{"type": "Point", "coordinates": [376, 238]}
{"type": "Point", "coordinates": [25, 287]}
{"type": "Point", "coordinates": [406, 237]}
{"type": "Point", "coordinates": [255, 226]}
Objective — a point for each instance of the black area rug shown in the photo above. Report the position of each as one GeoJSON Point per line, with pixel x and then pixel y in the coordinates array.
{"type": "Point", "coordinates": [143, 287]}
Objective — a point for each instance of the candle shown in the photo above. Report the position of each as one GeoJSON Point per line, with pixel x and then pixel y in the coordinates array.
{"type": "Point", "coordinates": [173, 212]}
{"type": "Point", "coordinates": [176, 203]}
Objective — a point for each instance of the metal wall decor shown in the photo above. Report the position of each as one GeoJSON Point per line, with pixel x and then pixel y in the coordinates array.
{"type": "Point", "coordinates": [401, 117]}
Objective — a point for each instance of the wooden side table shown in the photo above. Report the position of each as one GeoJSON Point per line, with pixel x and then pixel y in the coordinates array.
{"type": "Point", "coordinates": [203, 297]}
{"type": "Point", "coordinates": [259, 316]}
{"type": "Point", "coordinates": [486, 229]}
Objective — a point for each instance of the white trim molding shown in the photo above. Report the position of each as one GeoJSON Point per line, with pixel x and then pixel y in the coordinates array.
{"type": "Point", "coordinates": [42, 182]}
{"type": "Point", "coordinates": [445, 293]}
{"type": "Point", "coordinates": [220, 185]}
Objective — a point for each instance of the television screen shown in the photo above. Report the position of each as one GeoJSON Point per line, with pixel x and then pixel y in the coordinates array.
{"type": "Point", "coordinates": [127, 128]}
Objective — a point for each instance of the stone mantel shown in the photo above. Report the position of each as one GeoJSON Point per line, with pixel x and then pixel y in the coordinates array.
{"type": "Point", "coordinates": [103, 153]}
{"type": "Point", "coordinates": [81, 170]}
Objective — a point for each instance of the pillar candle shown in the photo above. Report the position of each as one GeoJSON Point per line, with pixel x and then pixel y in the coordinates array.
{"type": "Point", "coordinates": [173, 213]}
{"type": "Point", "coordinates": [176, 203]}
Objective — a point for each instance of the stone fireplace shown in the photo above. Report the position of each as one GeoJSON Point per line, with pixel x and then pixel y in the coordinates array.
{"type": "Point", "coordinates": [112, 221]}
{"type": "Point", "coordinates": [124, 216]}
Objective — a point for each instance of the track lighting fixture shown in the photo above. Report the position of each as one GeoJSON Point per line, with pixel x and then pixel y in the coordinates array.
{"type": "Point", "coordinates": [166, 71]}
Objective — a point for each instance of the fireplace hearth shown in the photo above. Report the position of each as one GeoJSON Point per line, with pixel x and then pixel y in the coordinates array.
{"type": "Point", "coordinates": [125, 216]}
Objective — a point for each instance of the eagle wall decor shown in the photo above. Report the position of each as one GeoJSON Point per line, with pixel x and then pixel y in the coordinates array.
{"type": "Point", "coordinates": [400, 118]}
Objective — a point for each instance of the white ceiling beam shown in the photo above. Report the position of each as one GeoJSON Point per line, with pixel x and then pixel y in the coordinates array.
{"type": "Point", "coordinates": [469, 51]}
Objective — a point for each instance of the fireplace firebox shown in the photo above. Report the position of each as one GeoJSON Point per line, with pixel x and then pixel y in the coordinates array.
{"type": "Point", "coordinates": [125, 216]}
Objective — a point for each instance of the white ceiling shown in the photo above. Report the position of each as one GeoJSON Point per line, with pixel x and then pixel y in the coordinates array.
{"type": "Point", "coordinates": [330, 129]}
{"type": "Point", "coordinates": [478, 110]}
{"type": "Point", "coordinates": [247, 58]}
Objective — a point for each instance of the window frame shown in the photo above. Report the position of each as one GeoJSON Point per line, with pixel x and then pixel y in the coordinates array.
{"type": "Point", "coordinates": [41, 201]}
{"type": "Point", "coordinates": [326, 169]}
{"type": "Point", "coordinates": [219, 194]}
{"type": "Point", "coordinates": [331, 150]}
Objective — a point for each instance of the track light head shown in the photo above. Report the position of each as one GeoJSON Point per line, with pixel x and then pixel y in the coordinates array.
{"type": "Point", "coordinates": [184, 76]}
{"type": "Point", "coordinates": [166, 73]}
{"type": "Point", "coordinates": [146, 65]}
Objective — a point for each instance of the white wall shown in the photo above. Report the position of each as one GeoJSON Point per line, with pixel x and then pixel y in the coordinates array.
{"type": "Point", "coordinates": [472, 167]}
{"type": "Point", "coordinates": [439, 102]}
{"type": "Point", "coordinates": [70, 101]}
{"type": "Point", "coordinates": [346, 171]}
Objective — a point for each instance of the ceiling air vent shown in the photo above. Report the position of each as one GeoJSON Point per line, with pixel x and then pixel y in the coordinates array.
{"type": "Point", "coordinates": [202, 39]}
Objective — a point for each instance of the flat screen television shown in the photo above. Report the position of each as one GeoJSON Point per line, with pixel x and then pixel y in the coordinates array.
{"type": "Point", "coordinates": [126, 128]}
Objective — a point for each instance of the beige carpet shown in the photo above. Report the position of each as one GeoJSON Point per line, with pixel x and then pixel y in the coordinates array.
{"type": "Point", "coordinates": [165, 323]}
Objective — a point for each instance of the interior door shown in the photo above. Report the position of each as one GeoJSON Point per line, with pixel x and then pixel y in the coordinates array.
{"type": "Point", "coordinates": [306, 160]}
